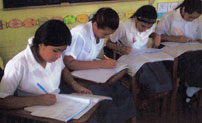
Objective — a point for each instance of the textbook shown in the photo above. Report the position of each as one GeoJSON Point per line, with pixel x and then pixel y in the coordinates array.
{"type": "Point", "coordinates": [67, 106]}
{"type": "Point", "coordinates": [99, 75]}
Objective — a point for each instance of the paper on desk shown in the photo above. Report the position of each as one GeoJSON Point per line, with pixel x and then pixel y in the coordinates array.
{"type": "Point", "coordinates": [64, 109]}
{"type": "Point", "coordinates": [99, 75]}
{"type": "Point", "coordinates": [176, 49]}
{"type": "Point", "coordinates": [67, 106]}
{"type": "Point", "coordinates": [137, 58]}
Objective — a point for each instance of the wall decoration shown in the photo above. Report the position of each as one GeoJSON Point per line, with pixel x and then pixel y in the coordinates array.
{"type": "Point", "coordinates": [58, 18]}
{"type": "Point", "coordinates": [69, 19]}
{"type": "Point", "coordinates": [83, 18]}
{"type": "Point", "coordinates": [15, 23]}
{"type": "Point", "coordinates": [3, 25]}
{"type": "Point", "coordinates": [42, 20]}
{"type": "Point", "coordinates": [29, 22]}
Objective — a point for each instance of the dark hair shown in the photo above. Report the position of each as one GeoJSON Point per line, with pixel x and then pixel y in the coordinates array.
{"type": "Point", "coordinates": [53, 33]}
{"type": "Point", "coordinates": [146, 14]}
{"type": "Point", "coordinates": [106, 18]}
{"type": "Point", "coordinates": [191, 6]}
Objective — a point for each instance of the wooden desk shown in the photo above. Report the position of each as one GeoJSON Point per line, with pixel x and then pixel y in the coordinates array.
{"type": "Point", "coordinates": [23, 115]}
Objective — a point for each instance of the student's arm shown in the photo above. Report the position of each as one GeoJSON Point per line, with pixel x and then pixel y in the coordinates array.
{"type": "Point", "coordinates": [70, 80]}
{"type": "Point", "coordinates": [13, 102]}
{"type": "Point", "coordinates": [180, 39]}
{"type": "Point", "coordinates": [115, 47]}
{"type": "Point", "coordinates": [74, 64]}
{"type": "Point", "coordinates": [156, 39]}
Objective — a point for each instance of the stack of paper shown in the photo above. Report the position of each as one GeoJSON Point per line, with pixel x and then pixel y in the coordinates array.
{"type": "Point", "coordinates": [67, 106]}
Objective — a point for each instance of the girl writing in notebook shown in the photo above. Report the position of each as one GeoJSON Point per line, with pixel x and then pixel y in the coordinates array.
{"type": "Point", "coordinates": [87, 42]}
{"type": "Point", "coordinates": [184, 25]}
{"type": "Point", "coordinates": [133, 34]}
{"type": "Point", "coordinates": [33, 75]}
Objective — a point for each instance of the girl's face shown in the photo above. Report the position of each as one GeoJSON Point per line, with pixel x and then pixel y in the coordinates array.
{"type": "Point", "coordinates": [101, 33]}
{"type": "Point", "coordinates": [142, 26]}
{"type": "Point", "coordinates": [189, 17]}
{"type": "Point", "coordinates": [50, 53]}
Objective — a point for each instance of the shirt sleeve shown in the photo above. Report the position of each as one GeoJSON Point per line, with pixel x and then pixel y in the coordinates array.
{"type": "Point", "coordinates": [164, 25]}
{"type": "Point", "coordinates": [117, 35]}
{"type": "Point", "coordinates": [11, 79]}
{"type": "Point", "coordinates": [76, 46]}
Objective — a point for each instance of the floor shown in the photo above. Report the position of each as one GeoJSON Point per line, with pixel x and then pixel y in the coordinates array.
{"type": "Point", "coordinates": [151, 115]}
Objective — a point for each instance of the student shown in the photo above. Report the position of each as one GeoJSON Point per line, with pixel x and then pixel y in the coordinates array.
{"type": "Point", "coordinates": [40, 62]}
{"type": "Point", "coordinates": [133, 34]}
{"type": "Point", "coordinates": [87, 42]}
{"type": "Point", "coordinates": [184, 25]}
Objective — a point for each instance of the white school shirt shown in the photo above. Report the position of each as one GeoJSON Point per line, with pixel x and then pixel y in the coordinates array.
{"type": "Point", "coordinates": [83, 46]}
{"type": "Point", "coordinates": [172, 20]}
{"type": "Point", "coordinates": [127, 31]}
{"type": "Point", "coordinates": [23, 72]}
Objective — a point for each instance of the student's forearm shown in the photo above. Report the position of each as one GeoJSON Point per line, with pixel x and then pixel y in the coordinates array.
{"type": "Point", "coordinates": [13, 102]}
{"type": "Point", "coordinates": [114, 46]}
{"type": "Point", "coordinates": [74, 64]}
{"type": "Point", "coordinates": [169, 38]}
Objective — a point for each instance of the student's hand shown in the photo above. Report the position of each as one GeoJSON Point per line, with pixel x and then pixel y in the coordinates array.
{"type": "Point", "coordinates": [80, 89]}
{"type": "Point", "coordinates": [157, 41]}
{"type": "Point", "coordinates": [109, 63]}
{"type": "Point", "coordinates": [46, 99]}
{"type": "Point", "coordinates": [125, 50]}
{"type": "Point", "coordinates": [181, 39]}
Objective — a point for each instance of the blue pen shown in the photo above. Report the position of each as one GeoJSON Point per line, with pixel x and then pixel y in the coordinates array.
{"type": "Point", "coordinates": [42, 88]}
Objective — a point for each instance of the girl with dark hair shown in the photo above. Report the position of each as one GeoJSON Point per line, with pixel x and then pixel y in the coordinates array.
{"type": "Point", "coordinates": [184, 25]}
{"type": "Point", "coordinates": [87, 42]}
{"type": "Point", "coordinates": [40, 62]}
{"type": "Point", "coordinates": [133, 34]}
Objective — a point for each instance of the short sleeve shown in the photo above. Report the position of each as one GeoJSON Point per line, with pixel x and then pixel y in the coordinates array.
{"type": "Point", "coordinates": [76, 46]}
{"type": "Point", "coordinates": [118, 34]}
{"type": "Point", "coordinates": [11, 79]}
{"type": "Point", "coordinates": [164, 25]}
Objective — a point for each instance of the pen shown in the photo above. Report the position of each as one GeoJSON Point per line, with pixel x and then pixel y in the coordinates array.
{"type": "Point", "coordinates": [179, 32]}
{"type": "Point", "coordinates": [106, 57]}
{"type": "Point", "coordinates": [42, 88]}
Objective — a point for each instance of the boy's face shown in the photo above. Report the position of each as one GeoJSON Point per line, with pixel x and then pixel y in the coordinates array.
{"type": "Point", "coordinates": [101, 33]}
{"type": "Point", "coordinates": [141, 26]}
{"type": "Point", "coordinates": [50, 53]}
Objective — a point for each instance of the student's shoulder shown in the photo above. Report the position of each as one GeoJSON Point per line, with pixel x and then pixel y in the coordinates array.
{"type": "Point", "coordinates": [18, 60]}
{"type": "Point", "coordinates": [80, 29]}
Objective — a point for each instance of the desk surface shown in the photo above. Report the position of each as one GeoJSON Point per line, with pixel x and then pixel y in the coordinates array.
{"type": "Point", "coordinates": [25, 114]}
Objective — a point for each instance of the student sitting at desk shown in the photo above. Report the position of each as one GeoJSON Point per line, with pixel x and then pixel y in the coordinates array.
{"type": "Point", "coordinates": [87, 42]}
{"type": "Point", "coordinates": [184, 25]}
{"type": "Point", "coordinates": [133, 34]}
{"type": "Point", "coordinates": [41, 63]}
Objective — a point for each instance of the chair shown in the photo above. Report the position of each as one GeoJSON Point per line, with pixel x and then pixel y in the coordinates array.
{"type": "Point", "coordinates": [131, 82]}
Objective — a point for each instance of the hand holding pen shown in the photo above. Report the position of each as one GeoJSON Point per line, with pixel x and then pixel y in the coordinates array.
{"type": "Point", "coordinates": [181, 38]}
{"type": "Point", "coordinates": [45, 99]}
{"type": "Point", "coordinates": [107, 62]}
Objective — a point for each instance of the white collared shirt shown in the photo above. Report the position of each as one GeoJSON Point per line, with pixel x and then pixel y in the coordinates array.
{"type": "Point", "coordinates": [172, 20]}
{"type": "Point", "coordinates": [23, 72]}
{"type": "Point", "coordinates": [127, 31]}
{"type": "Point", "coordinates": [83, 46]}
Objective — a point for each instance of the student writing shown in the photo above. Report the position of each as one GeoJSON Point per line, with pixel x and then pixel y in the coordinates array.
{"type": "Point", "coordinates": [185, 18]}
{"type": "Point", "coordinates": [41, 62]}
{"type": "Point", "coordinates": [87, 42]}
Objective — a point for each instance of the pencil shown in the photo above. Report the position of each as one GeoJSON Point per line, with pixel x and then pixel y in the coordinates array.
{"type": "Point", "coordinates": [179, 32]}
{"type": "Point", "coordinates": [41, 87]}
{"type": "Point", "coordinates": [106, 57]}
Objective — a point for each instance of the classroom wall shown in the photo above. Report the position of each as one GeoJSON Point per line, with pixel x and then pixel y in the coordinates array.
{"type": "Point", "coordinates": [13, 39]}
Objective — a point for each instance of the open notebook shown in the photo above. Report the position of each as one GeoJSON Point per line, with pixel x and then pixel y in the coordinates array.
{"type": "Point", "coordinates": [67, 106]}
{"type": "Point", "coordinates": [99, 75]}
